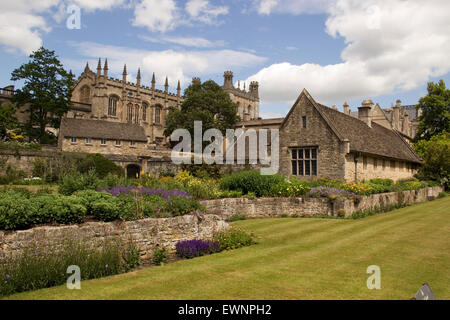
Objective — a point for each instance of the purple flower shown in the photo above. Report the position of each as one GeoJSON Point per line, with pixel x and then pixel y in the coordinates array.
{"type": "Point", "coordinates": [106, 266]}
{"type": "Point", "coordinates": [8, 276]}
{"type": "Point", "coordinates": [196, 248]}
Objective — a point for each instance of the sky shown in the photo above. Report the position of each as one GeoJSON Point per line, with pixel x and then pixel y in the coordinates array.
{"type": "Point", "coordinates": [339, 50]}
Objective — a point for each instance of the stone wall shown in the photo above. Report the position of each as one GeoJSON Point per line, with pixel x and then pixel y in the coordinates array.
{"type": "Point", "coordinates": [268, 207]}
{"type": "Point", "coordinates": [147, 233]}
{"type": "Point", "coordinates": [276, 207]}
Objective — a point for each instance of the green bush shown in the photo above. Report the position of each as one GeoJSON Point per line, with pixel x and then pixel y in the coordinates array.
{"type": "Point", "coordinates": [100, 165]}
{"type": "Point", "coordinates": [160, 256]}
{"type": "Point", "coordinates": [233, 239]}
{"type": "Point", "coordinates": [251, 181]}
{"type": "Point", "coordinates": [383, 182]}
{"type": "Point", "coordinates": [76, 182]}
{"type": "Point", "coordinates": [107, 210]}
{"type": "Point", "coordinates": [290, 188]}
{"type": "Point", "coordinates": [58, 208]}
{"type": "Point", "coordinates": [43, 266]}
{"type": "Point", "coordinates": [237, 217]}
{"type": "Point", "coordinates": [179, 206]}
{"type": "Point", "coordinates": [17, 211]}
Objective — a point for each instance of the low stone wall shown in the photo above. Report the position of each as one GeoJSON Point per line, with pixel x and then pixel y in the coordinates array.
{"type": "Point", "coordinates": [276, 207]}
{"type": "Point", "coordinates": [268, 207]}
{"type": "Point", "coordinates": [384, 200]}
{"type": "Point", "coordinates": [147, 233]}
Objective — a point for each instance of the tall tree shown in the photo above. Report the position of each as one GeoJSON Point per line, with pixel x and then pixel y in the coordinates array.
{"type": "Point", "coordinates": [8, 121]}
{"type": "Point", "coordinates": [435, 111]}
{"type": "Point", "coordinates": [47, 92]}
{"type": "Point", "coordinates": [206, 102]}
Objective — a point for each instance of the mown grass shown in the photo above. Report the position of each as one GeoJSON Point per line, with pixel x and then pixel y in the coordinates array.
{"type": "Point", "coordinates": [300, 259]}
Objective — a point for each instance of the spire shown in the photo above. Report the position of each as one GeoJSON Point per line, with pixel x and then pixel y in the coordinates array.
{"type": "Point", "coordinates": [99, 67]}
{"type": "Point", "coordinates": [139, 77]}
{"type": "Point", "coordinates": [86, 69]}
{"type": "Point", "coordinates": [239, 84]}
{"type": "Point", "coordinates": [124, 74]}
{"type": "Point", "coordinates": [178, 89]}
{"type": "Point", "coordinates": [105, 68]}
{"type": "Point", "coordinates": [166, 86]}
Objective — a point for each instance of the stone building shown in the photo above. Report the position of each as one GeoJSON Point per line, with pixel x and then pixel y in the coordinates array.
{"type": "Point", "coordinates": [317, 141]}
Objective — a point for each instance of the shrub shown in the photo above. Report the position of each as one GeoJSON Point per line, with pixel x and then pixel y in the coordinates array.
{"type": "Point", "coordinates": [76, 182]}
{"type": "Point", "coordinates": [179, 206]}
{"type": "Point", "coordinates": [230, 194]}
{"type": "Point", "coordinates": [251, 181]}
{"type": "Point", "coordinates": [160, 256]}
{"type": "Point", "coordinates": [237, 217]}
{"type": "Point", "coordinates": [107, 210]}
{"type": "Point", "coordinates": [100, 165]}
{"type": "Point", "coordinates": [59, 208]}
{"type": "Point", "coordinates": [43, 266]}
{"type": "Point", "coordinates": [233, 239]}
{"type": "Point", "coordinates": [195, 248]}
{"type": "Point", "coordinates": [383, 182]}
{"type": "Point", "coordinates": [17, 211]}
{"type": "Point", "coordinates": [290, 188]}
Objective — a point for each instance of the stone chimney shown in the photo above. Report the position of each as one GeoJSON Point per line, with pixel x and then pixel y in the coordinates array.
{"type": "Point", "coordinates": [365, 112]}
{"type": "Point", "coordinates": [228, 80]}
{"type": "Point", "coordinates": [346, 108]}
{"type": "Point", "coordinates": [396, 115]}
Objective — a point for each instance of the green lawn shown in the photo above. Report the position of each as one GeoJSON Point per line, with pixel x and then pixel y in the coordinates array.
{"type": "Point", "coordinates": [301, 259]}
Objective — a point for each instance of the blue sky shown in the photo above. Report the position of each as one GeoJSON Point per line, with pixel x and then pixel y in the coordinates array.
{"type": "Point", "coordinates": [340, 50]}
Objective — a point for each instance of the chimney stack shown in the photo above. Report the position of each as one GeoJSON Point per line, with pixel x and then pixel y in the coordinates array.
{"type": "Point", "coordinates": [254, 89]}
{"type": "Point", "coordinates": [365, 112]}
{"type": "Point", "coordinates": [396, 115]}
{"type": "Point", "coordinates": [346, 108]}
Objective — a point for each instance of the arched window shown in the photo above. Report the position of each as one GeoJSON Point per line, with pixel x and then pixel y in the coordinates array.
{"type": "Point", "coordinates": [85, 94]}
{"type": "Point", "coordinates": [158, 114]}
{"type": "Point", "coordinates": [130, 113]}
{"type": "Point", "coordinates": [136, 114]}
{"type": "Point", "coordinates": [112, 105]}
{"type": "Point", "coordinates": [144, 111]}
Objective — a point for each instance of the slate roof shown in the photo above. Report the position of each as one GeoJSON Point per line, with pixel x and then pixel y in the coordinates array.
{"type": "Point", "coordinates": [99, 129]}
{"type": "Point", "coordinates": [375, 140]}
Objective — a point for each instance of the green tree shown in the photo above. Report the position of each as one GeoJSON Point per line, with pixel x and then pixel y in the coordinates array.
{"type": "Point", "coordinates": [206, 102]}
{"type": "Point", "coordinates": [47, 92]}
{"type": "Point", "coordinates": [435, 111]}
{"type": "Point", "coordinates": [436, 158]}
{"type": "Point", "coordinates": [8, 121]}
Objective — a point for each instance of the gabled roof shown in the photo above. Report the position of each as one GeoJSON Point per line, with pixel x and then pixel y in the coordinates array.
{"type": "Point", "coordinates": [99, 129]}
{"type": "Point", "coordinates": [375, 140]}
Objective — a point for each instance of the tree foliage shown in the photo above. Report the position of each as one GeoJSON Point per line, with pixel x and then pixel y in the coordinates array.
{"type": "Point", "coordinates": [436, 156]}
{"type": "Point", "coordinates": [8, 120]}
{"type": "Point", "coordinates": [46, 93]}
{"type": "Point", "coordinates": [206, 102]}
{"type": "Point", "coordinates": [435, 111]}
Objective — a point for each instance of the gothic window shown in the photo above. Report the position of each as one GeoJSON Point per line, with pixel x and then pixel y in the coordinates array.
{"type": "Point", "coordinates": [136, 114]}
{"type": "Point", "coordinates": [112, 106]}
{"type": "Point", "coordinates": [130, 112]}
{"type": "Point", "coordinates": [304, 122]}
{"type": "Point", "coordinates": [144, 112]}
{"type": "Point", "coordinates": [158, 115]}
{"type": "Point", "coordinates": [85, 94]}
{"type": "Point", "coordinates": [304, 161]}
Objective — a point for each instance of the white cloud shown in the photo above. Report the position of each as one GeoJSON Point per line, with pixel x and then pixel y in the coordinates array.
{"type": "Point", "coordinates": [203, 11]}
{"type": "Point", "coordinates": [177, 65]}
{"type": "Point", "coordinates": [391, 45]}
{"type": "Point", "coordinates": [92, 5]}
{"type": "Point", "coordinates": [157, 15]}
{"type": "Point", "coordinates": [195, 42]}
{"type": "Point", "coordinates": [23, 22]}
{"type": "Point", "coordinates": [267, 7]}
